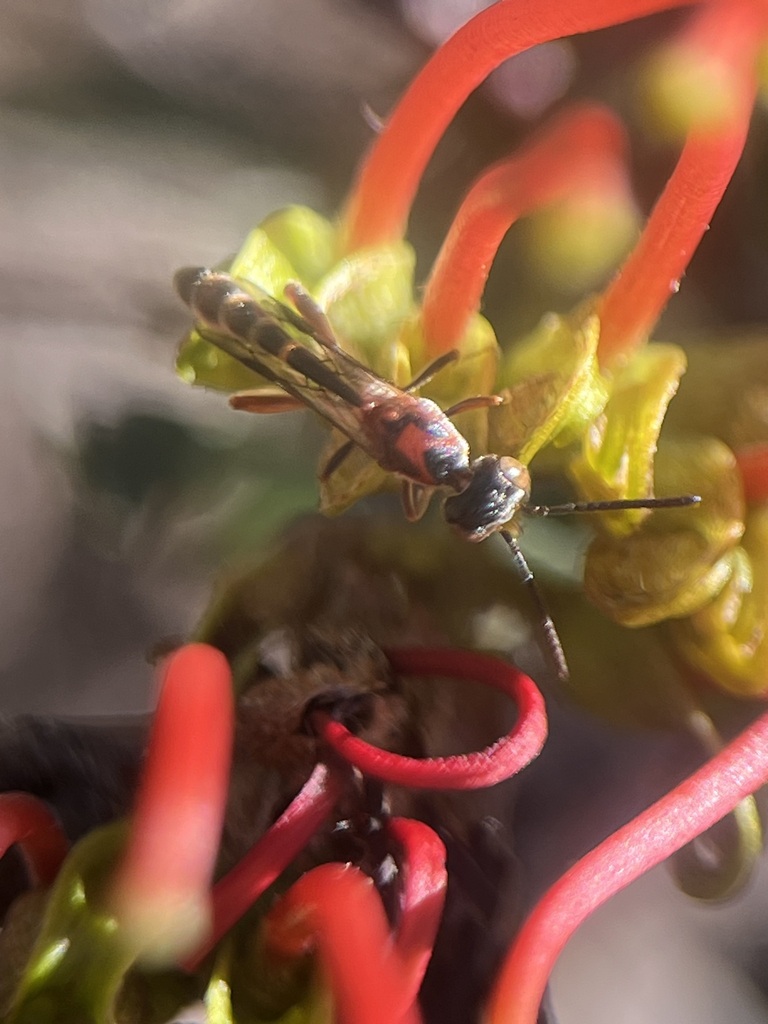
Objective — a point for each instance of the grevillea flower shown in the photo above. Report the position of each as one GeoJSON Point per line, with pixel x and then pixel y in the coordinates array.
{"type": "Point", "coordinates": [370, 970]}
{"type": "Point", "coordinates": [329, 944]}
{"type": "Point", "coordinates": [684, 813]}
{"type": "Point", "coordinates": [590, 379]}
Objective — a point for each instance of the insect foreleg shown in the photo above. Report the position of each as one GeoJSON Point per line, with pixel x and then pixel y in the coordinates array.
{"type": "Point", "coordinates": [336, 460]}
{"type": "Point", "coordinates": [312, 316]}
{"type": "Point", "coordinates": [476, 402]}
{"type": "Point", "coordinates": [415, 500]}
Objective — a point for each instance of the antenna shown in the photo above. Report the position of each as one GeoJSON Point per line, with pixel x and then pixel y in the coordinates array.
{"type": "Point", "coordinates": [576, 507]}
{"type": "Point", "coordinates": [549, 631]}
{"type": "Point", "coordinates": [546, 623]}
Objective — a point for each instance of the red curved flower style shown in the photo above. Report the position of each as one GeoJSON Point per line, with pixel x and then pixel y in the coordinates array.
{"type": "Point", "coordinates": [500, 761]}
{"type": "Point", "coordinates": [238, 890]}
{"type": "Point", "coordinates": [336, 910]}
{"type": "Point", "coordinates": [380, 201]}
{"type": "Point", "coordinates": [162, 887]}
{"type": "Point", "coordinates": [753, 464]}
{"type": "Point", "coordinates": [691, 808]}
{"type": "Point", "coordinates": [27, 822]}
{"type": "Point", "coordinates": [423, 882]}
{"type": "Point", "coordinates": [582, 150]}
{"type": "Point", "coordinates": [731, 33]}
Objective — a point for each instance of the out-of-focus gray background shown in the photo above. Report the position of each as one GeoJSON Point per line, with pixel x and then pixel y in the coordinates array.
{"type": "Point", "coordinates": [140, 136]}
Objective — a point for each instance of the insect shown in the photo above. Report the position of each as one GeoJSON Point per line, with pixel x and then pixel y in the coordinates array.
{"type": "Point", "coordinates": [405, 434]}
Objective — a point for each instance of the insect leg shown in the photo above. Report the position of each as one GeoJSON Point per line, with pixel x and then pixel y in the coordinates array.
{"type": "Point", "coordinates": [476, 402]}
{"type": "Point", "coordinates": [311, 315]}
{"type": "Point", "coordinates": [415, 500]}
{"type": "Point", "coordinates": [548, 628]}
{"type": "Point", "coordinates": [432, 369]}
{"type": "Point", "coordinates": [336, 460]}
{"type": "Point", "coordinates": [265, 401]}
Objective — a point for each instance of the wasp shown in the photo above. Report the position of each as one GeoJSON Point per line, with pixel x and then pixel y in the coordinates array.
{"type": "Point", "coordinates": [296, 349]}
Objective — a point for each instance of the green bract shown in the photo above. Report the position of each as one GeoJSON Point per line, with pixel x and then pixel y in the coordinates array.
{"type": "Point", "coordinates": [678, 560]}
{"type": "Point", "coordinates": [728, 639]}
{"type": "Point", "coordinates": [618, 449]}
{"type": "Point", "coordinates": [553, 387]}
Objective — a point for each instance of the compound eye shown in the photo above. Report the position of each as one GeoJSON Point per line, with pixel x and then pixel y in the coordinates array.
{"type": "Point", "coordinates": [185, 281]}
{"type": "Point", "coordinates": [516, 473]}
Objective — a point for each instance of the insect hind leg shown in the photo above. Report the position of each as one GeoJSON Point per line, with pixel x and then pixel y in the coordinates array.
{"type": "Point", "coordinates": [312, 318]}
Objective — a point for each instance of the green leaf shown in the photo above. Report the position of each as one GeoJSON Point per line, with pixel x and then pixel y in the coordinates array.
{"type": "Point", "coordinates": [79, 960]}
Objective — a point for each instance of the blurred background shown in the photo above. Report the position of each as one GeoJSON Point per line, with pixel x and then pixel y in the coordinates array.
{"type": "Point", "coordinates": [142, 135]}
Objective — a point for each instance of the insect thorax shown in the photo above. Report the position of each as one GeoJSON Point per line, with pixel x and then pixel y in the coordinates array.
{"type": "Point", "coordinates": [413, 437]}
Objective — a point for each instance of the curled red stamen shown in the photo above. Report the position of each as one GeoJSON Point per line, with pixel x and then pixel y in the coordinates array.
{"type": "Point", "coordinates": [336, 910]}
{"type": "Point", "coordinates": [582, 149]}
{"type": "Point", "coordinates": [500, 761]}
{"type": "Point", "coordinates": [29, 824]}
{"type": "Point", "coordinates": [422, 897]}
{"type": "Point", "coordinates": [162, 888]}
{"type": "Point", "coordinates": [732, 32]}
{"type": "Point", "coordinates": [239, 889]}
{"type": "Point", "coordinates": [753, 464]}
{"type": "Point", "coordinates": [678, 818]}
{"type": "Point", "coordinates": [378, 206]}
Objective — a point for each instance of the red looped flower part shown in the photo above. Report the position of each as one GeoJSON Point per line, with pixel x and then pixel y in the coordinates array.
{"type": "Point", "coordinates": [500, 761]}
{"type": "Point", "coordinates": [239, 889]}
{"type": "Point", "coordinates": [381, 198]}
{"type": "Point", "coordinates": [163, 882]}
{"type": "Point", "coordinates": [676, 819]}
{"type": "Point", "coordinates": [422, 896]}
{"type": "Point", "coordinates": [753, 465]}
{"type": "Point", "coordinates": [578, 150]}
{"type": "Point", "coordinates": [28, 823]}
{"type": "Point", "coordinates": [336, 910]}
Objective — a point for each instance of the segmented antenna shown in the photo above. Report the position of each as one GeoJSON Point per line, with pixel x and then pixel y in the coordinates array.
{"type": "Point", "coordinates": [547, 626]}
{"type": "Point", "coordinates": [575, 507]}
{"type": "Point", "coordinates": [546, 623]}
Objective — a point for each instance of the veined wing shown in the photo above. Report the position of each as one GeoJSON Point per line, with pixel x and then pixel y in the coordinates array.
{"type": "Point", "coordinates": [256, 330]}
